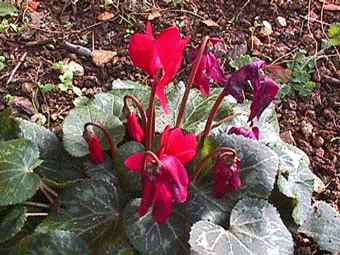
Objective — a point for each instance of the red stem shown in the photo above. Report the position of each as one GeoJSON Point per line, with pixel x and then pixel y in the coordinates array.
{"type": "Point", "coordinates": [138, 105]}
{"type": "Point", "coordinates": [150, 116]}
{"type": "Point", "coordinates": [182, 108]}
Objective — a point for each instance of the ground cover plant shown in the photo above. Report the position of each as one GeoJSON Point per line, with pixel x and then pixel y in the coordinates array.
{"type": "Point", "coordinates": [187, 168]}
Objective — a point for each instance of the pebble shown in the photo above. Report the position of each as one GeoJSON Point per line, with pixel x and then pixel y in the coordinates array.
{"type": "Point", "coordinates": [281, 21]}
{"type": "Point", "coordinates": [306, 129]}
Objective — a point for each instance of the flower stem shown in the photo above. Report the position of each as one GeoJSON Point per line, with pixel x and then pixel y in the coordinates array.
{"type": "Point", "coordinates": [35, 204]}
{"type": "Point", "coordinates": [107, 135]}
{"type": "Point", "coordinates": [150, 119]}
{"type": "Point", "coordinates": [153, 156]}
{"type": "Point", "coordinates": [138, 105]}
{"type": "Point", "coordinates": [217, 152]}
{"type": "Point", "coordinates": [182, 108]}
{"type": "Point", "coordinates": [226, 119]}
{"type": "Point", "coordinates": [35, 214]}
{"type": "Point", "coordinates": [212, 115]}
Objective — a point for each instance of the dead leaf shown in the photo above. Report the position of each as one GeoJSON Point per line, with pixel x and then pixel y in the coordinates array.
{"type": "Point", "coordinates": [154, 14]}
{"type": "Point", "coordinates": [100, 57]}
{"type": "Point", "coordinates": [33, 5]}
{"type": "Point", "coordinates": [332, 7]}
{"type": "Point", "coordinates": [105, 16]}
{"type": "Point", "coordinates": [22, 104]}
{"type": "Point", "coordinates": [210, 23]}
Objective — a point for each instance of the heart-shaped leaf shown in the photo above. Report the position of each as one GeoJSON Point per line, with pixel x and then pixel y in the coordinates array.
{"type": "Point", "coordinates": [120, 246]}
{"type": "Point", "coordinates": [121, 88]}
{"type": "Point", "coordinates": [58, 165]}
{"type": "Point", "coordinates": [12, 222]}
{"type": "Point", "coordinates": [323, 225]}
{"type": "Point", "coordinates": [89, 209]}
{"type": "Point", "coordinates": [131, 181]}
{"type": "Point", "coordinates": [73, 128]}
{"type": "Point", "coordinates": [151, 238]}
{"type": "Point", "coordinates": [53, 243]}
{"type": "Point", "coordinates": [255, 228]}
{"type": "Point", "coordinates": [18, 182]}
{"type": "Point", "coordinates": [109, 103]}
{"type": "Point", "coordinates": [295, 179]}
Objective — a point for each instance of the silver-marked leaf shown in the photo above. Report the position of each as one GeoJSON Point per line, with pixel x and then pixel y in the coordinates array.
{"type": "Point", "coordinates": [7, 9]}
{"type": "Point", "coordinates": [131, 181]}
{"type": "Point", "coordinates": [8, 127]}
{"type": "Point", "coordinates": [18, 182]}
{"type": "Point", "coordinates": [53, 243]}
{"type": "Point", "coordinates": [323, 225]}
{"type": "Point", "coordinates": [121, 88]}
{"type": "Point", "coordinates": [255, 229]}
{"type": "Point", "coordinates": [108, 103]}
{"type": "Point", "coordinates": [89, 209]}
{"type": "Point", "coordinates": [268, 123]}
{"type": "Point", "coordinates": [117, 247]}
{"type": "Point", "coordinates": [295, 179]}
{"type": "Point", "coordinates": [259, 164]}
{"type": "Point", "coordinates": [103, 171]}
{"type": "Point", "coordinates": [12, 222]}
{"type": "Point", "coordinates": [58, 165]}
{"type": "Point", "coordinates": [73, 128]}
{"type": "Point", "coordinates": [150, 238]}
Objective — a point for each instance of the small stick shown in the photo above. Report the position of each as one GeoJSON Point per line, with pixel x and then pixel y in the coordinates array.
{"type": "Point", "coordinates": [35, 204]}
{"type": "Point", "coordinates": [22, 59]}
{"type": "Point", "coordinates": [47, 195]}
{"type": "Point", "coordinates": [83, 51]}
{"type": "Point", "coordinates": [36, 214]}
{"type": "Point", "coordinates": [47, 188]}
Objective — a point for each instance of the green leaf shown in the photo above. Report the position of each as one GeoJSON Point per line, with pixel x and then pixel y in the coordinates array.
{"type": "Point", "coordinates": [7, 9]}
{"type": "Point", "coordinates": [334, 34]}
{"type": "Point", "coordinates": [73, 128]}
{"type": "Point", "coordinates": [18, 182]}
{"type": "Point", "coordinates": [258, 168]}
{"type": "Point", "coordinates": [151, 238]}
{"type": "Point", "coordinates": [58, 165]}
{"type": "Point", "coordinates": [295, 179]}
{"type": "Point", "coordinates": [8, 127]}
{"type": "Point", "coordinates": [109, 103]}
{"type": "Point", "coordinates": [324, 227]}
{"type": "Point", "coordinates": [243, 60]}
{"type": "Point", "coordinates": [89, 209]}
{"type": "Point", "coordinates": [121, 88]}
{"type": "Point", "coordinates": [53, 243]}
{"type": "Point", "coordinates": [131, 181]}
{"type": "Point", "coordinates": [255, 229]}
{"type": "Point", "coordinates": [12, 222]}
{"type": "Point", "coordinates": [119, 247]}
{"type": "Point", "coordinates": [268, 123]}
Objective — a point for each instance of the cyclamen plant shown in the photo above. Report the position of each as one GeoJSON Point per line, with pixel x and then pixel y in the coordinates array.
{"type": "Point", "coordinates": [193, 169]}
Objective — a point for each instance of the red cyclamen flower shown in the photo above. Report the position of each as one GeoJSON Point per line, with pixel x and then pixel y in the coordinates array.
{"type": "Point", "coordinates": [226, 177]}
{"type": "Point", "coordinates": [209, 69]}
{"type": "Point", "coordinates": [167, 183]}
{"type": "Point", "coordinates": [159, 56]}
{"type": "Point", "coordinates": [97, 154]}
{"type": "Point", "coordinates": [252, 133]}
{"type": "Point", "coordinates": [134, 127]}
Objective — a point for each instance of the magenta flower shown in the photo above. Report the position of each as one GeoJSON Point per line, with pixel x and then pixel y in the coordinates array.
{"type": "Point", "coordinates": [134, 128]}
{"type": "Point", "coordinates": [97, 154]}
{"type": "Point", "coordinates": [166, 182]}
{"type": "Point", "coordinates": [252, 133]}
{"type": "Point", "coordinates": [160, 57]}
{"type": "Point", "coordinates": [235, 84]}
{"type": "Point", "coordinates": [226, 177]}
{"type": "Point", "coordinates": [209, 69]}
{"type": "Point", "coordinates": [263, 96]}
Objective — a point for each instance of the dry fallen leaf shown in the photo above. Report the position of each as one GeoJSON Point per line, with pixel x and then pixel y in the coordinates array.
{"type": "Point", "coordinates": [210, 23]}
{"type": "Point", "coordinates": [278, 72]}
{"type": "Point", "coordinates": [105, 16]}
{"type": "Point", "coordinates": [100, 57]}
{"type": "Point", "coordinates": [154, 14]}
{"type": "Point", "coordinates": [22, 104]}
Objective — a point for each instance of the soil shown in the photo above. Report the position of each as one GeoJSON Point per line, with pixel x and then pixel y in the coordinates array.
{"type": "Point", "coordinates": [311, 123]}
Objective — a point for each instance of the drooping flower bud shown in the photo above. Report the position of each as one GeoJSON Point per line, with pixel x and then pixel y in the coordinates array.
{"type": "Point", "coordinates": [97, 154]}
{"type": "Point", "coordinates": [252, 133]}
{"type": "Point", "coordinates": [135, 129]}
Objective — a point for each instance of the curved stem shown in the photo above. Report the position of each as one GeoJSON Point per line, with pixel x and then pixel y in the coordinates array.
{"type": "Point", "coordinates": [217, 152]}
{"type": "Point", "coordinates": [138, 105]}
{"type": "Point", "coordinates": [153, 156]}
{"type": "Point", "coordinates": [212, 115]}
{"type": "Point", "coordinates": [182, 108]}
{"type": "Point", "coordinates": [226, 119]}
{"type": "Point", "coordinates": [107, 135]}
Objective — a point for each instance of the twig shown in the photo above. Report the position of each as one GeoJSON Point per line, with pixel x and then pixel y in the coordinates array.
{"type": "Point", "coordinates": [285, 55]}
{"type": "Point", "coordinates": [315, 41]}
{"type": "Point", "coordinates": [22, 59]}
{"type": "Point", "coordinates": [83, 51]}
{"type": "Point", "coordinates": [35, 214]}
{"type": "Point", "coordinates": [35, 204]}
{"type": "Point", "coordinates": [240, 11]}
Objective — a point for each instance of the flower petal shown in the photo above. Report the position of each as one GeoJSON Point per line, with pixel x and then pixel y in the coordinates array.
{"type": "Point", "coordinates": [149, 188]}
{"type": "Point", "coordinates": [97, 154]}
{"type": "Point", "coordinates": [163, 203]}
{"type": "Point", "coordinates": [176, 176]}
{"type": "Point", "coordinates": [135, 162]}
{"type": "Point", "coordinates": [263, 97]}
{"type": "Point", "coordinates": [183, 146]}
{"type": "Point", "coordinates": [249, 133]}
{"type": "Point", "coordinates": [134, 127]}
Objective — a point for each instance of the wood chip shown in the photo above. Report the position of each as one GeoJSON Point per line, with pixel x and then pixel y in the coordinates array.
{"type": "Point", "coordinates": [105, 16]}
{"type": "Point", "coordinates": [210, 23]}
{"type": "Point", "coordinates": [100, 57]}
